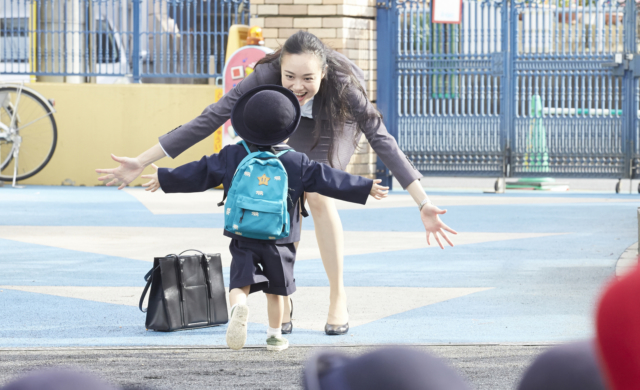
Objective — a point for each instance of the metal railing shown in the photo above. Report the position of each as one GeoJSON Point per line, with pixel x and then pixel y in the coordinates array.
{"type": "Point", "coordinates": [117, 38]}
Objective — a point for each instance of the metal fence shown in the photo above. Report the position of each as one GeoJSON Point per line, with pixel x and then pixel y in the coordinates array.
{"type": "Point", "coordinates": [117, 38]}
{"type": "Point", "coordinates": [518, 88]}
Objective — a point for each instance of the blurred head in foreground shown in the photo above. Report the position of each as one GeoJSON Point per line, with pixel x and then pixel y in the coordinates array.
{"type": "Point", "coordinates": [388, 368]}
{"type": "Point", "coordinates": [572, 366]}
{"type": "Point", "coordinates": [58, 379]}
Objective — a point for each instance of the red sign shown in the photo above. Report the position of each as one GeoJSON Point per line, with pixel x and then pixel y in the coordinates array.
{"type": "Point", "coordinates": [239, 66]}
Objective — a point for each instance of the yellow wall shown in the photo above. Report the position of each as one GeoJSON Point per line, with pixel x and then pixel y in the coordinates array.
{"type": "Point", "coordinates": [124, 119]}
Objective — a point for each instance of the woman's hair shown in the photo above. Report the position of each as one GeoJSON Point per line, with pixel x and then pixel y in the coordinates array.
{"type": "Point", "coordinates": [333, 102]}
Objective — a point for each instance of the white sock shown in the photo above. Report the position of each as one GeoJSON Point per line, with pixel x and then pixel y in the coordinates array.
{"type": "Point", "coordinates": [277, 332]}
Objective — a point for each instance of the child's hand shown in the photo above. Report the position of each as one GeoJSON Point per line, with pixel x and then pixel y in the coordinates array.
{"type": "Point", "coordinates": [154, 183]}
{"type": "Point", "coordinates": [378, 191]}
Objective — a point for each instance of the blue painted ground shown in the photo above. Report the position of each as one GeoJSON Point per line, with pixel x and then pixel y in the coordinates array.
{"type": "Point", "coordinates": [544, 290]}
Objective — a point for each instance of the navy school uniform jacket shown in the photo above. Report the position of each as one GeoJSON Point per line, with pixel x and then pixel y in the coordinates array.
{"type": "Point", "coordinates": [304, 176]}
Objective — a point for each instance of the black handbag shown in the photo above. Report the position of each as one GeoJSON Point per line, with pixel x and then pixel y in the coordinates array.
{"type": "Point", "coordinates": [187, 292]}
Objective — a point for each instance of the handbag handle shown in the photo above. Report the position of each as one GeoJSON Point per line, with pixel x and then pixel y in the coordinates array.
{"type": "Point", "coordinates": [194, 250]}
{"type": "Point", "coordinates": [147, 278]}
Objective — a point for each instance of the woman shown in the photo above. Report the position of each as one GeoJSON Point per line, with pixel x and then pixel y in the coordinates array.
{"type": "Point", "coordinates": [335, 111]}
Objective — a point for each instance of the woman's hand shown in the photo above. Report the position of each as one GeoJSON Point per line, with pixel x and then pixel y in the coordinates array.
{"type": "Point", "coordinates": [430, 216]}
{"type": "Point", "coordinates": [128, 171]}
{"type": "Point", "coordinates": [378, 191]}
{"type": "Point", "coordinates": [153, 184]}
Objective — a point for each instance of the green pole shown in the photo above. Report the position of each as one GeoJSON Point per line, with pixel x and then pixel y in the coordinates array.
{"type": "Point", "coordinates": [536, 158]}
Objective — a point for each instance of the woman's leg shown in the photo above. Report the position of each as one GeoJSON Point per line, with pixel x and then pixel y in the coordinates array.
{"type": "Point", "coordinates": [286, 316]}
{"type": "Point", "coordinates": [331, 244]}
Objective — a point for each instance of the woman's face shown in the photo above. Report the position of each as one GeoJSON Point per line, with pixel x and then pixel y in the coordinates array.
{"type": "Point", "coordinates": [302, 74]}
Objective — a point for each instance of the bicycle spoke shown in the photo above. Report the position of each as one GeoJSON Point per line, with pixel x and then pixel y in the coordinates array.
{"type": "Point", "coordinates": [34, 121]}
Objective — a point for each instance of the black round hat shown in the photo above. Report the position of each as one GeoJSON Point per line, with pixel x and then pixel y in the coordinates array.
{"type": "Point", "coordinates": [569, 366]}
{"type": "Point", "coordinates": [266, 115]}
{"type": "Point", "coordinates": [59, 378]}
{"type": "Point", "coordinates": [397, 368]}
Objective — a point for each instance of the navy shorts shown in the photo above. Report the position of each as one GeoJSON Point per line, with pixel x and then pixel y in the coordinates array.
{"type": "Point", "coordinates": [264, 266]}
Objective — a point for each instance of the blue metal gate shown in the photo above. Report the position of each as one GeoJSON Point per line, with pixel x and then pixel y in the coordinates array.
{"type": "Point", "coordinates": [518, 88]}
{"type": "Point", "coordinates": [571, 95]}
{"type": "Point", "coordinates": [115, 38]}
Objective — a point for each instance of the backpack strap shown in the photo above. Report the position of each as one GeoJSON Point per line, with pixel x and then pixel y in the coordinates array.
{"type": "Point", "coordinates": [224, 197]}
{"type": "Point", "coordinates": [248, 148]}
{"type": "Point", "coordinates": [245, 146]}
{"type": "Point", "coordinates": [303, 210]}
{"type": "Point", "coordinates": [283, 152]}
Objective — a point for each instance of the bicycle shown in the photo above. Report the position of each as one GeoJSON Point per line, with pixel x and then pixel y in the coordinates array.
{"type": "Point", "coordinates": [28, 132]}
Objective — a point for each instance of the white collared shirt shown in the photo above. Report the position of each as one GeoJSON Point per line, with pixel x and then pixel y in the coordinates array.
{"type": "Point", "coordinates": [307, 109]}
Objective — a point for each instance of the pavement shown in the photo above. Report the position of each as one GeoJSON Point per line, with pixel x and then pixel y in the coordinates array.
{"type": "Point", "coordinates": [486, 367]}
{"type": "Point", "coordinates": [525, 272]}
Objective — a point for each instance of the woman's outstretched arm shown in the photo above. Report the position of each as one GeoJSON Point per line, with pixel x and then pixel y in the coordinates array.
{"type": "Point", "coordinates": [183, 137]}
{"type": "Point", "coordinates": [430, 214]}
{"type": "Point", "coordinates": [130, 168]}
{"type": "Point", "coordinates": [387, 149]}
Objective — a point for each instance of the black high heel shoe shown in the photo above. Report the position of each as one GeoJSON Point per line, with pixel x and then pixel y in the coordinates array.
{"type": "Point", "coordinates": [336, 330]}
{"type": "Point", "coordinates": [287, 327]}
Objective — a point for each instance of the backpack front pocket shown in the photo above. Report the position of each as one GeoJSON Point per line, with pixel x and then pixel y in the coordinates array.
{"type": "Point", "coordinates": [259, 217]}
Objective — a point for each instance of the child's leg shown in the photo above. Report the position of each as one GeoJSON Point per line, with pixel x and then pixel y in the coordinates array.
{"type": "Point", "coordinates": [237, 329]}
{"type": "Point", "coordinates": [275, 308]}
{"type": "Point", "coordinates": [238, 295]}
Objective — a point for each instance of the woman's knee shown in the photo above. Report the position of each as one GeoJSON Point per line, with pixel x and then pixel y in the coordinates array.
{"type": "Point", "coordinates": [320, 204]}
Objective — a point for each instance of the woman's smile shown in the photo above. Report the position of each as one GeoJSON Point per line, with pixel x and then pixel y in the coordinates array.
{"type": "Point", "coordinates": [300, 95]}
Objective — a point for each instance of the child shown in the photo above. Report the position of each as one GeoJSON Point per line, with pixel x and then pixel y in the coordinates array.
{"type": "Point", "coordinates": [264, 117]}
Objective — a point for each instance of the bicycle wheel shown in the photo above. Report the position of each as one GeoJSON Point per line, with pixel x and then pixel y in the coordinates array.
{"type": "Point", "coordinates": [6, 146]}
{"type": "Point", "coordinates": [34, 133]}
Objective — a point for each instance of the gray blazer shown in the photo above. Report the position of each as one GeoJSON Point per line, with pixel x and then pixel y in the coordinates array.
{"type": "Point", "coordinates": [183, 137]}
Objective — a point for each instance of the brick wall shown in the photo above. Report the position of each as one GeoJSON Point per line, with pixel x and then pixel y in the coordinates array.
{"type": "Point", "coordinates": [347, 26]}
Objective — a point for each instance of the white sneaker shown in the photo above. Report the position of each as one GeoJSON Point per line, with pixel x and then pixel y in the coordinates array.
{"type": "Point", "coordinates": [237, 328]}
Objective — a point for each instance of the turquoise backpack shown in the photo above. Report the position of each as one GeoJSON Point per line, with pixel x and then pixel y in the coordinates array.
{"type": "Point", "coordinates": [256, 204]}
